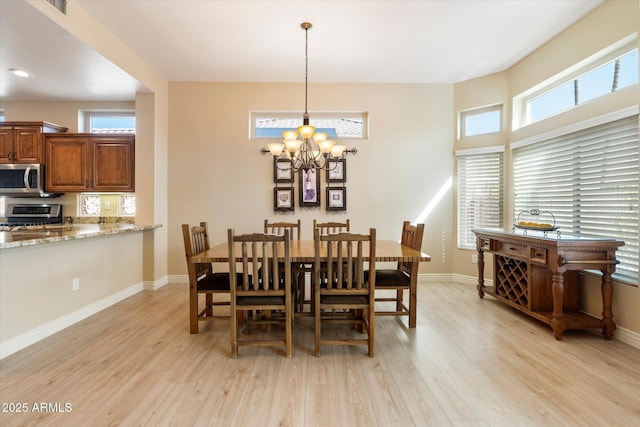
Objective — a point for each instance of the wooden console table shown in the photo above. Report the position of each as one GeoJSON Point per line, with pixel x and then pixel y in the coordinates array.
{"type": "Point", "coordinates": [538, 275]}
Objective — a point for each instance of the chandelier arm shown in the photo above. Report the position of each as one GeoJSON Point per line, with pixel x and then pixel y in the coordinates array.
{"type": "Point", "coordinates": [308, 154]}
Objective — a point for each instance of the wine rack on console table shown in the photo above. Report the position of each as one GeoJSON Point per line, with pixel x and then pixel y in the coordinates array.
{"type": "Point", "coordinates": [538, 275]}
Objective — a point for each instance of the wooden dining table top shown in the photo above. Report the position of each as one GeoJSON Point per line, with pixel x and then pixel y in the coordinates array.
{"type": "Point", "coordinates": [304, 251]}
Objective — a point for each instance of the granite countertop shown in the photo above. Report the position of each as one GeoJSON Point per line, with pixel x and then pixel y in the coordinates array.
{"type": "Point", "coordinates": [15, 237]}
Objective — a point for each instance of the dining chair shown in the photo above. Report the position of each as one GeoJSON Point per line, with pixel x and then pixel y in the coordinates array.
{"type": "Point", "coordinates": [297, 270]}
{"type": "Point", "coordinates": [331, 227]}
{"type": "Point", "coordinates": [202, 279]}
{"type": "Point", "coordinates": [341, 293]}
{"type": "Point", "coordinates": [263, 296]}
{"type": "Point", "coordinates": [403, 277]}
{"type": "Point", "coordinates": [278, 228]}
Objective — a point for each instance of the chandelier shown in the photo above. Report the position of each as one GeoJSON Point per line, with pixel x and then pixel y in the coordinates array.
{"type": "Point", "coordinates": [306, 148]}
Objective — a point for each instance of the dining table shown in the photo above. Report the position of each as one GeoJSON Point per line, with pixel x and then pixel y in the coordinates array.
{"type": "Point", "coordinates": [303, 252]}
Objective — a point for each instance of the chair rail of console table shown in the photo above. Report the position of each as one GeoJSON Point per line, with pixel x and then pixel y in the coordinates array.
{"type": "Point", "coordinates": [538, 275]}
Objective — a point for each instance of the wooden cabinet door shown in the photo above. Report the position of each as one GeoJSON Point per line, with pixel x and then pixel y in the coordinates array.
{"type": "Point", "coordinates": [68, 165]}
{"type": "Point", "coordinates": [27, 145]}
{"type": "Point", "coordinates": [113, 163]}
{"type": "Point", "coordinates": [6, 147]}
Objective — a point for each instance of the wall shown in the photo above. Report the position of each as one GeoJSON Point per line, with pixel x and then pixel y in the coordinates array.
{"type": "Point", "coordinates": [610, 22]}
{"type": "Point", "coordinates": [36, 296]}
{"type": "Point", "coordinates": [217, 174]}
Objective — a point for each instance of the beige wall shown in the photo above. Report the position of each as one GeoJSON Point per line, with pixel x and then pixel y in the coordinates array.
{"type": "Point", "coordinates": [217, 174]}
{"type": "Point", "coordinates": [606, 25]}
{"type": "Point", "coordinates": [36, 281]}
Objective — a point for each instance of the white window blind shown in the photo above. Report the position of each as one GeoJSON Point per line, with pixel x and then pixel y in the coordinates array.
{"type": "Point", "coordinates": [480, 195]}
{"type": "Point", "coordinates": [588, 179]}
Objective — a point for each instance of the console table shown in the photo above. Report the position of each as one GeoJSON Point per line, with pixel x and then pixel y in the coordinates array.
{"type": "Point", "coordinates": [538, 275]}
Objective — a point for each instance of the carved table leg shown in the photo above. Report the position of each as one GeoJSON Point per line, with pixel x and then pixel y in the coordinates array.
{"type": "Point", "coordinates": [557, 322]}
{"type": "Point", "coordinates": [480, 273]}
{"type": "Point", "coordinates": [608, 325]}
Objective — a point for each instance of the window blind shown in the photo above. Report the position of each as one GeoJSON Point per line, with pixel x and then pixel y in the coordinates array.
{"type": "Point", "coordinates": [480, 195]}
{"type": "Point", "coordinates": [588, 179]}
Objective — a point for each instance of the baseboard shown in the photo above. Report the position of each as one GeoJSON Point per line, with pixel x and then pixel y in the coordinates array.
{"type": "Point", "coordinates": [156, 284]}
{"type": "Point", "coordinates": [13, 345]}
{"type": "Point", "coordinates": [621, 334]}
{"type": "Point", "coordinates": [178, 278]}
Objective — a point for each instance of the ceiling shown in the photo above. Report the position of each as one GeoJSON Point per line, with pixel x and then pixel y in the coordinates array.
{"type": "Point", "coordinates": [427, 41]}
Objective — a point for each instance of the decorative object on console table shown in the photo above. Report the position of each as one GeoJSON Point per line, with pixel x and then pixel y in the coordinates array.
{"type": "Point", "coordinates": [545, 227]}
{"type": "Point", "coordinates": [283, 200]}
{"type": "Point", "coordinates": [309, 188]}
{"type": "Point", "coordinates": [336, 199]}
{"type": "Point", "coordinates": [538, 275]}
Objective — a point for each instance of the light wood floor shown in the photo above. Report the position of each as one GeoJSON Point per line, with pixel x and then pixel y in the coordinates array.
{"type": "Point", "coordinates": [470, 362]}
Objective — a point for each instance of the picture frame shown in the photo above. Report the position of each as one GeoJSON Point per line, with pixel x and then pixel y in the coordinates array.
{"type": "Point", "coordinates": [336, 199]}
{"type": "Point", "coordinates": [282, 171]}
{"type": "Point", "coordinates": [337, 171]}
{"type": "Point", "coordinates": [309, 187]}
{"type": "Point", "coordinates": [283, 199]}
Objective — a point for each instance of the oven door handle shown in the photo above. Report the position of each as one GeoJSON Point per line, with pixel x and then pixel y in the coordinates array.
{"type": "Point", "coordinates": [26, 178]}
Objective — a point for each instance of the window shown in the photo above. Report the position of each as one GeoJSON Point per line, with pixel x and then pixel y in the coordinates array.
{"type": "Point", "coordinates": [96, 205]}
{"type": "Point", "coordinates": [271, 124]}
{"type": "Point", "coordinates": [480, 192]}
{"type": "Point", "coordinates": [588, 179]}
{"type": "Point", "coordinates": [607, 71]}
{"type": "Point", "coordinates": [108, 121]}
{"type": "Point", "coordinates": [480, 121]}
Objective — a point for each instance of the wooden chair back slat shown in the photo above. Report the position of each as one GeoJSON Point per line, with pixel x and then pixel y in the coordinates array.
{"type": "Point", "coordinates": [331, 227]}
{"type": "Point", "coordinates": [278, 228]}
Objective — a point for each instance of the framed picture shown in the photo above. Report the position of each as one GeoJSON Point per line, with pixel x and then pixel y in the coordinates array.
{"type": "Point", "coordinates": [283, 199]}
{"type": "Point", "coordinates": [337, 171]}
{"type": "Point", "coordinates": [336, 199]}
{"type": "Point", "coordinates": [309, 188]}
{"type": "Point", "coordinates": [282, 171]}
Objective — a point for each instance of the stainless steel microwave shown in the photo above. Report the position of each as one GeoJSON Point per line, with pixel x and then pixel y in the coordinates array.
{"type": "Point", "coordinates": [23, 180]}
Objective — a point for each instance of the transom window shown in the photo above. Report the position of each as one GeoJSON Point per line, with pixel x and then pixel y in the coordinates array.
{"type": "Point", "coordinates": [480, 121]}
{"type": "Point", "coordinates": [271, 124]}
{"type": "Point", "coordinates": [608, 71]}
{"type": "Point", "coordinates": [108, 121]}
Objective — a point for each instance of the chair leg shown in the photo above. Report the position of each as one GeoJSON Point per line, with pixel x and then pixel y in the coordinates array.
{"type": "Point", "coordinates": [413, 300]}
{"type": "Point", "coordinates": [193, 310]}
{"type": "Point", "coordinates": [234, 331]}
{"type": "Point", "coordinates": [370, 329]}
{"type": "Point", "coordinates": [399, 299]}
{"type": "Point", "coordinates": [209, 306]}
{"type": "Point", "coordinates": [316, 316]}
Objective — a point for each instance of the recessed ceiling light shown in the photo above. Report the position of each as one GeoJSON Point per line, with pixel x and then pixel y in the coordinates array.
{"type": "Point", "coordinates": [20, 73]}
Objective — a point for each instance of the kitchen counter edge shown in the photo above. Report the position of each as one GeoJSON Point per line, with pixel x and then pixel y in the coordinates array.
{"type": "Point", "coordinates": [17, 239]}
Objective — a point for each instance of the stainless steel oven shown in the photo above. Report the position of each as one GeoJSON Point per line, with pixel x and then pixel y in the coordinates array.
{"type": "Point", "coordinates": [22, 214]}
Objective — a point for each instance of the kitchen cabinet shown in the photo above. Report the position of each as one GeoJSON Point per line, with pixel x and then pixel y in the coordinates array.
{"type": "Point", "coordinates": [90, 162]}
{"type": "Point", "coordinates": [23, 142]}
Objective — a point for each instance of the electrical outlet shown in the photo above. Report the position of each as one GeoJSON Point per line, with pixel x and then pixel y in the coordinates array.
{"type": "Point", "coordinates": [107, 205]}
{"type": "Point", "coordinates": [75, 284]}
{"type": "Point", "coordinates": [474, 258]}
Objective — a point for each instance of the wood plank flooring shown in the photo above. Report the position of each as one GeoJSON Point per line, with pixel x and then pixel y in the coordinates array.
{"type": "Point", "coordinates": [470, 362]}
